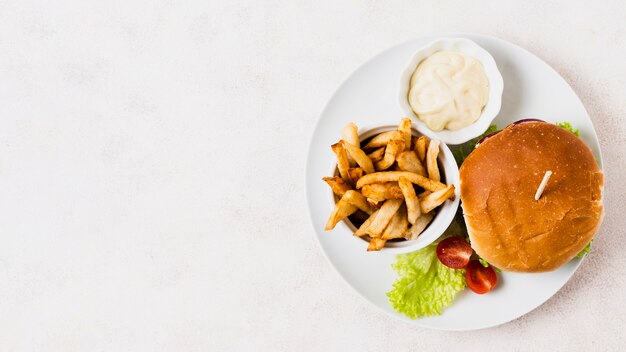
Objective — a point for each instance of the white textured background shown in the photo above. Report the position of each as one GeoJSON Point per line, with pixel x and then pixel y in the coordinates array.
{"type": "Point", "coordinates": [152, 167]}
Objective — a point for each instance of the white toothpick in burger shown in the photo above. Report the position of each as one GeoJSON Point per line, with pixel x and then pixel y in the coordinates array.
{"type": "Point", "coordinates": [507, 226]}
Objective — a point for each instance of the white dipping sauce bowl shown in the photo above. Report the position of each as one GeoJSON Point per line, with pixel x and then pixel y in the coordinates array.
{"type": "Point", "coordinates": [496, 86]}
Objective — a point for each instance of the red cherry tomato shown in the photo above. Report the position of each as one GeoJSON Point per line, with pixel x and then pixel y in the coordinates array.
{"type": "Point", "coordinates": [454, 252]}
{"type": "Point", "coordinates": [480, 279]}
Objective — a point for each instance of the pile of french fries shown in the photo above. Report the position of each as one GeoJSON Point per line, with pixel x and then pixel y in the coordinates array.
{"type": "Point", "coordinates": [392, 184]}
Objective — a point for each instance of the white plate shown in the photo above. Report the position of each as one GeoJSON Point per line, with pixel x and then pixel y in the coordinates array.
{"type": "Point", "coordinates": [368, 97]}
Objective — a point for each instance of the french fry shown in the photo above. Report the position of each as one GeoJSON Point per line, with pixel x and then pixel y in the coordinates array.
{"type": "Point", "coordinates": [346, 206]}
{"type": "Point", "coordinates": [342, 162]}
{"type": "Point", "coordinates": [419, 226]}
{"type": "Point", "coordinates": [376, 244]}
{"type": "Point", "coordinates": [358, 200]}
{"type": "Point", "coordinates": [382, 139]}
{"type": "Point", "coordinates": [436, 198]}
{"type": "Point", "coordinates": [338, 185]}
{"type": "Point", "coordinates": [360, 157]}
{"type": "Point", "coordinates": [355, 173]}
{"type": "Point", "coordinates": [389, 176]}
{"type": "Point", "coordinates": [405, 128]}
{"type": "Point", "coordinates": [377, 155]}
{"type": "Point", "coordinates": [385, 213]}
{"type": "Point", "coordinates": [342, 210]}
{"type": "Point", "coordinates": [361, 230]}
{"type": "Point", "coordinates": [397, 226]}
{"type": "Point", "coordinates": [350, 134]}
{"type": "Point", "coordinates": [412, 202]}
{"type": "Point", "coordinates": [380, 192]}
{"type": "Point", "coordinates": [421, 146]}
{"type": "Point", "coordinates": [423, 194]}
{"type": "Point", "coordinates": [393, 148]}
{"type": "Point", "coordinates": [408, 161]}
{"type": "Point", "coordinates": [431, 160]}
{"type": "Point", "coordinates": [374, 203]}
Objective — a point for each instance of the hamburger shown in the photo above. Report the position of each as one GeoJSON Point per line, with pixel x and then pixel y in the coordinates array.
{"type": "Point", "coordinates": [498, 181]}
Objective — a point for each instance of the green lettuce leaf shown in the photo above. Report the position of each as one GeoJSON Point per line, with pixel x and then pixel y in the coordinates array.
{"type": "Point", "coordinates": [584, 251]}
{"type": "Point", "coordinates": [486, 265]}
{"type": "Point", "coordinates": [568, 126]}
{"type": "Point", "coordinates": [425, 286]}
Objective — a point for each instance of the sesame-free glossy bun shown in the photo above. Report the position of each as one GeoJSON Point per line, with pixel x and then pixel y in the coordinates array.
{"type": "Point", "coordinates": [507, 227]}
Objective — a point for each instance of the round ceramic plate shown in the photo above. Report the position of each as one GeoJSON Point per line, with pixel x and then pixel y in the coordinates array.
{"type": "Point", "coordinates": [369, 97]}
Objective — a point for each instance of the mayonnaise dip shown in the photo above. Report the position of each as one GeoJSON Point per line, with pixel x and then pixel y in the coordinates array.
{"type": "Point", "coordinates": [448, 90]}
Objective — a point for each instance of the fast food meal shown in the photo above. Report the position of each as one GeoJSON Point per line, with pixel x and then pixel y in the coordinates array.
{"type": "Point", "coordinates": [389, 187]}
{"type": "Point", "coordinates": [527, 199]}
{"type": "Point", "coordinates": [511, 228]}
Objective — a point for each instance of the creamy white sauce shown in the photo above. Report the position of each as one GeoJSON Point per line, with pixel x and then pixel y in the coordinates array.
{"type": "Point", "coordinates": [448, 90]}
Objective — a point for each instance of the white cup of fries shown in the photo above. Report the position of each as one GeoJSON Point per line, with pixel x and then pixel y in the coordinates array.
{"type": "Point", "coordinates": [395, 189]}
